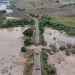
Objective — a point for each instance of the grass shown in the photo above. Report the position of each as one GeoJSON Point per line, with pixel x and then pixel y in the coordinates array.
{"type": "Point", "coordinates": [29, 63]}
{"type": "Point", "coordinates": [67, 1]}
{"type": "Point", "coordinates": [67, 21]}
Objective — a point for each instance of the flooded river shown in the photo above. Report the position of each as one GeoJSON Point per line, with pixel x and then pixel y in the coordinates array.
{"type": "Point", "coordinates": [56, 37]}
{"type": "Point", "coordinates": [10, 45]}
{"type": "Point", "coordinates": [65, 65]}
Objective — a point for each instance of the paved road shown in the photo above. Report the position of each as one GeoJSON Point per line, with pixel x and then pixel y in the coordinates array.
{"type": "Point", "coordinates": [37, 57]}
{"type": "Point", "coordinates": [37, 62]}
{"type": "Point", "coordinates": [36, 33]}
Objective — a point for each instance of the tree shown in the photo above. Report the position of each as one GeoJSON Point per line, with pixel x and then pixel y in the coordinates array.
{"type": "Point", "coordinates": [32, 22]}
{"type": "Point", "coordinates": [31, 14]}
{"type": "Point", "coordinates": [27, 41]}
{"type": "Point", "coordinates": [23, 49]}
{"type": "Point", "coordinates": [57, 1]}
{"type": "Point", "coordinates": [28, 32]}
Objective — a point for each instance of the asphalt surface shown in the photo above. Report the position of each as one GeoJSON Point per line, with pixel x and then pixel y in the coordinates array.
{"type": "Point", "coordinates": [36, 33]}
{"type": "Point", "coordinates": [37, 62]}
{"type": "Point", "coordinates": [37, 57]}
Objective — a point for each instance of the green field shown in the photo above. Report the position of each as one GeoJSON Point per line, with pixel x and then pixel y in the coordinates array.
{"type": "Point", "coordinates": [67, 1]}
{"type": "Point", "coordinates": [67, 21]}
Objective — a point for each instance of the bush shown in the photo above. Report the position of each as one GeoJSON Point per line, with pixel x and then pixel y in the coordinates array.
{"type": "Point", "coordinates": [69, 45]}
{"type": "Point", "coordinates": [44, 72]}
{"type": "Point", "coordinates": [23, 49]}
{"type": "Point", "coordinates": [28, 32]}
{"type": "Point", "coordinates": [67, 52]}
{"type": "Point", "coordinates": [50, 69]}
{"type": "Point", "coordinates": [44, 56]}
{"type": "Point", "coordinates": [31, 14]}
{"type": "Point", "coordinates": [73, 51]}
{"type": "Point", "coordinates": [27, 41]}
{"type": "Point", "coordinates": [62, 47]}
{"type": "Point", "coordinates": [54, 48]}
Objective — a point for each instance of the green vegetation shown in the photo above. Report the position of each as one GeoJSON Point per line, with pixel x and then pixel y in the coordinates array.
{"type": "Point", "coordinates": [66, 21]}
{"type": "Point", "coordinates": [16, 23]}
{"type": "Point", "coordinates": [67, 52]}
{"type": "Point", "coordinates": [41, 28]}
{"type": "Point", "coordinates": [69, 45]}
{"type": "Point", "coordinates": [28, 70]}
{"type": "Point", "coordinates": [67, 1]}
{"type": "Point", "coordinates": [62, 47]}
{"type": "Point", "coordinates": [2, 11]}
{"type": "Point", "coordinates": [12, 6]}
{"type": "Point", "coordinates": [51, 22]}
{"type": "Point", "coordinates": [28, 32]}
{"type": "Point", "coordinates": [23, 49]}
{"type": "Point", "coordinates": [1, 15]}
{"type": "Point", "coordinates": [31, 14]}
{"type": "Point", "coordinates": [42, 40]}
{"type": "Point", "coordinates": [73, 51]}
{"type": "Point", "coordinates": [47, 69]}
{"type": "Point", "coordinates": [28, 41]}
{"type": "Point", "coordinates": [54, 48]}
{"type": "Point", "coordinates": [29, 62]}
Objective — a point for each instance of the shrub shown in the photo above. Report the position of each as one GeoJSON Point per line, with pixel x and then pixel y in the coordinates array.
{"type": "Point", "coordinates": [50, 69]}
{"type": "Point", "coordinates": [62, 47]}
{"type": "Point", "coordinates": [44, 72]}
{"type": "Point", "coordinates": [73, 51]}
{"type": "Point", "coordinates": [31, 14]}
{"type": "Point", "coordinates": [27, 41]}
{"type": "Point", "coordinates": [23, 49]}
{"type": "Point", "coordinates": [67, 52]}
{"type": "Point", "coordinates": [28, 32]}
{"type": "Point", "coordinates": [54, 48]}
{"type": "Point", "coordinates": [69, 45]}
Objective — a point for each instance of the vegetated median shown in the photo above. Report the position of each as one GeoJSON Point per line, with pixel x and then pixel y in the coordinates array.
{"type": "Point", "coordinates": [47, 69]}
{"type": "Point", "coordinates": [46, 21]}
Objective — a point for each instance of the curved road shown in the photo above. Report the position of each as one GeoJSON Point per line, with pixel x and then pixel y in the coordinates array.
{"type": "Point", "coordinates": [36, 57]}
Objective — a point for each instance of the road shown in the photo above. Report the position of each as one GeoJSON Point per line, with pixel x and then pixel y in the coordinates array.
{"type": "Point", "coordinates": [36, 57]}
{"type": "Point", "coordinates": [37, 62]}
{"type": "Point", "coordinates": [36, 33]}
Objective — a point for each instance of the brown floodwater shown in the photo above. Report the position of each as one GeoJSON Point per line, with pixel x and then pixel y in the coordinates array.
{"type": "Point", "coordinates": [10, 45]}
{"type": "Point", "coordinates": [65, 65]}
{"type": "Point", "coordinates": [56, 37]}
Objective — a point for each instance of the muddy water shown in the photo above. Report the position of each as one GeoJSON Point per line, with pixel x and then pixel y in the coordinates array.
{"type": "Point", "coordinates": [10, 45]}
{"type": "Point", "coordinates": [56, 37]}
{"type": "Point", "coordinates": [65, 65]}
